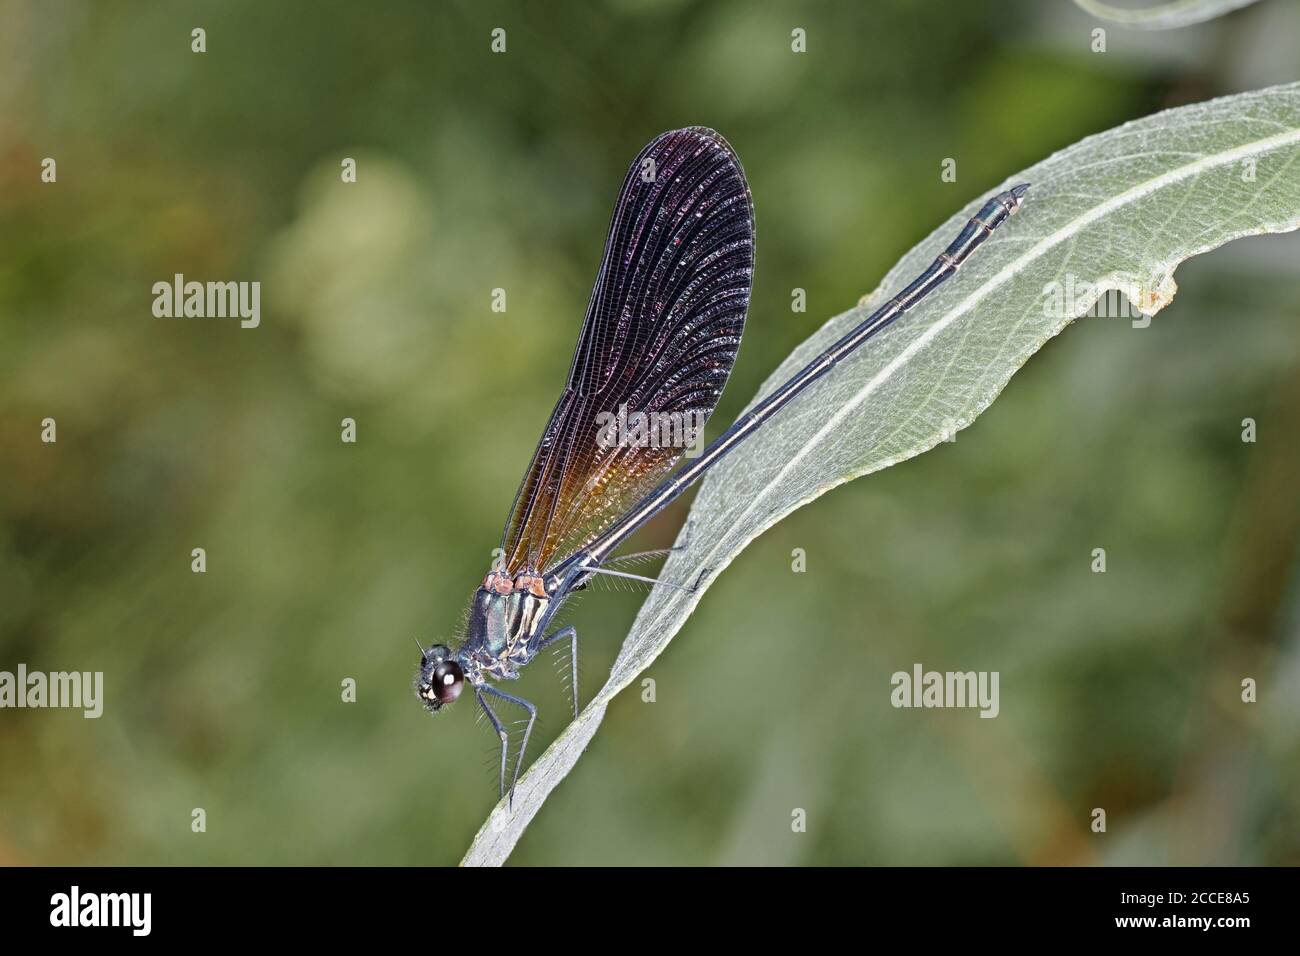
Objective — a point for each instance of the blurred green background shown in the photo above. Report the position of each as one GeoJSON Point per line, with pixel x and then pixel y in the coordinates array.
{"type": "Point", "coordinates": [479, 171]}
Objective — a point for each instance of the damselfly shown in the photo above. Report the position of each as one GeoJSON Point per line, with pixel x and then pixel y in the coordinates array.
{"type": "Point", "coordinates": [662, 330]}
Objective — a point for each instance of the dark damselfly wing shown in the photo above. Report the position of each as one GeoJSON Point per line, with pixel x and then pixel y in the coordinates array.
{"type": "Point", "coordinates": [662, 331]}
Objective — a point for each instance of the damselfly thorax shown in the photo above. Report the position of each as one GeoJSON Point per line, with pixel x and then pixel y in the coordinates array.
{"type": "Point", "coordinates": [505, 620]}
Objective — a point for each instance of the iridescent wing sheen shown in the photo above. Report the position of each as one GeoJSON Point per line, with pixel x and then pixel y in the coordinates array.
{"type": "Point", "coordinates": [661, 335]}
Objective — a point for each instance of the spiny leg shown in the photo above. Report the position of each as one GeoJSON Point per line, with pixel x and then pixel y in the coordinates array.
{"type": "Point", "coordinates": [637, 556]}
{"type": "Point", "coordinates": [607, 566]}
{"type": "Point", "coordinates": [501, 733]}
{"type": "Point", "coordinates": [528, 731]}
{"type": "Point", "coordinates": [571, 633]}
{"type": "Point", "coordinates": [638, 577]}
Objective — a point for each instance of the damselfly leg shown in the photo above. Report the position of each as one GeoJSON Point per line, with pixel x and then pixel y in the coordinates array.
{"type": "Point", "coordinates": [504, 736]}
{"type": "Point", "coordinates": [571, 633]}
{"type": "Point", "coordinates": [500, 729]}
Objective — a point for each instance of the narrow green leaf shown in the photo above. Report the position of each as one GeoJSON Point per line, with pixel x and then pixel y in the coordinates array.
{"type": "Point", "coordinates": [1117, 211]}
{"type": "Point", "coordinates": [1162, 16]}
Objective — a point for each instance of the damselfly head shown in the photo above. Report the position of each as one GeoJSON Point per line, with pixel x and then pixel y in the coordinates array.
{"type": "Point", "coordinates": [441, 678]}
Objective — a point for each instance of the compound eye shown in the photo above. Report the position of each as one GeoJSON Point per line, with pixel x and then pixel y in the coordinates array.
{"type": "Point", "coordinates": [448, 681]}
